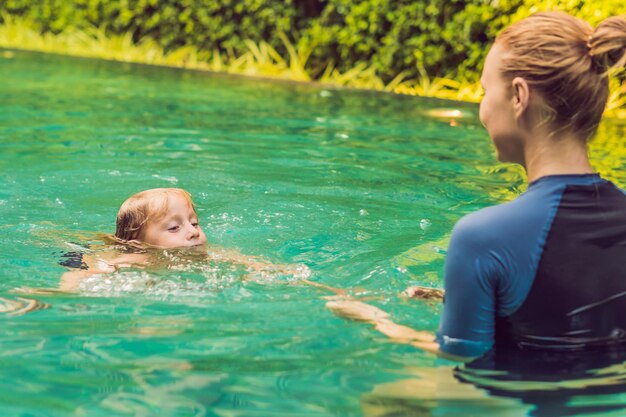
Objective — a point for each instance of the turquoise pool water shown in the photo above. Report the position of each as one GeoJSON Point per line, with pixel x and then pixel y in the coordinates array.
{"type": "Point", "coordinates": [361, 187]}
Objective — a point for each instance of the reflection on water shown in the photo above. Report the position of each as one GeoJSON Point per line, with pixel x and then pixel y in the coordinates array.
{"type": "Point", "coordinates": [17, 306]}
{"type": "Point", "coordinates": [556, 383]}
{"type": "Point", "coordinates": [436, 392]}
{"type": "Point", "coordinates": [541, 384]}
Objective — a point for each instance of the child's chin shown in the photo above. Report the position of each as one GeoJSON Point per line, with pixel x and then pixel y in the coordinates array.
{"type": "Point", "coordinates": [198, 246]}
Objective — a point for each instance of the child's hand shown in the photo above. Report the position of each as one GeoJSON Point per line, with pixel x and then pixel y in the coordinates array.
{"type": "Point", "coordinates": [425, 293]}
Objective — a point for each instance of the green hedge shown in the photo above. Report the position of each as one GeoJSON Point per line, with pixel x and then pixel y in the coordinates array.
{"type": "Point", "coordinates": [446, 38]}
{"type": "Point", "coordinates": [205, 24]}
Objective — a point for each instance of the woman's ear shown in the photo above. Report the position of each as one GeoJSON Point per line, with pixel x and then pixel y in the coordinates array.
{"type": "Point", "coordinates": [521, 96]}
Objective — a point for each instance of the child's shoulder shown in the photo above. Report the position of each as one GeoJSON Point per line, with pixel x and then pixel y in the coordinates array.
{"type": "Point", "coordinates": [73, 260]}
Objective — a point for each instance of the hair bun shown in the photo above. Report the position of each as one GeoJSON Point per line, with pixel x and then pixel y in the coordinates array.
{"type": "Point", "coordinates": [607, 45]}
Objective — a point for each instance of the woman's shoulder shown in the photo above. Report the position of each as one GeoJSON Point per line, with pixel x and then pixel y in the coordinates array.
{"type": "Point", "coordinates": [492, 217]}
{"type": "Point", "coordinates": [524, 218]}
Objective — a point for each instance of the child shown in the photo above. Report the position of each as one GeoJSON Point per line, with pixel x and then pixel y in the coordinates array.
{"type": "Point", "coordinates": [163, 218]}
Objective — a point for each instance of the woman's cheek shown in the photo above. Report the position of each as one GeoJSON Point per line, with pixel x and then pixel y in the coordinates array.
{"type": "Point", "coordinates": [481, 113]}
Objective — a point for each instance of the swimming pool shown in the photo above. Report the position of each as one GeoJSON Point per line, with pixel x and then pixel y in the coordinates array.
{"type": "Point", "coordinates": [362, 187]}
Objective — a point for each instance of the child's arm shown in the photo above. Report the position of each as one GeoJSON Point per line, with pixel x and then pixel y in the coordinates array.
{"type": "Point", "coordinates": [256, 264]}
{"type": "Point", "coordinates": [259, 265]}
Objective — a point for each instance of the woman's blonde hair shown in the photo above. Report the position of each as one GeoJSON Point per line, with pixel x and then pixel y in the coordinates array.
{"type": "Point", "coordinates": [143, 207]}
{"type": "Point", "coordinates": [567, 62]}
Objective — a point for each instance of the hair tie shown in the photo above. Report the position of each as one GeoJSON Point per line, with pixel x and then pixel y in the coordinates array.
{"type": "Point", "coordinates": [598, 64]}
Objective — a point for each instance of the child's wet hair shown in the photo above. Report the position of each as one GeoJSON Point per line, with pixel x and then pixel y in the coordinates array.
{"type": "Point", "coordinates": [144, 207]}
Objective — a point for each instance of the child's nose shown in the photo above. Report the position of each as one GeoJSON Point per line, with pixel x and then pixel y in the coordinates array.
{"type": "Point", "coordinates": [192, 232]}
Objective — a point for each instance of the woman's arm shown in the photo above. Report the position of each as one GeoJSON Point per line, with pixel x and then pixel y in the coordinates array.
{"type": "Point", "coordinates": [359, 311]}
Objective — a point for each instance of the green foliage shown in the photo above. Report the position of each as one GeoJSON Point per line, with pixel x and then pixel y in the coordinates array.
{"type": "Point", "coordinates": [225, 25]}
{"type": "Point", "coordinates": [592, 12]}
{"type": "Point", "coordinates": [259, 59]}
{"type": "Point", "coordinates": [445, 38]}
{"type": "Point", "coordinates": [442, 37]}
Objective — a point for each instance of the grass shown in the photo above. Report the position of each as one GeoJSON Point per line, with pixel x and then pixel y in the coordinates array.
{"type": "Point", "coordinates": [260, 60]}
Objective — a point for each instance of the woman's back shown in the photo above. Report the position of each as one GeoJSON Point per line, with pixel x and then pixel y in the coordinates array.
{"type": "Point", "coordinates": [578, 295]}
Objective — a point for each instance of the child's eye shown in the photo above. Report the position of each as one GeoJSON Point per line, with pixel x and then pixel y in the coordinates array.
{"type": "Point", "coordinates": [173, 228]}
{"type": "Point", "coordinates": [195, 224]}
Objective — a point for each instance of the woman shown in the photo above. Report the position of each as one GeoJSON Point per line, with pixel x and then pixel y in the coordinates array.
{"type": "Point", "coordinates": [547, 270]}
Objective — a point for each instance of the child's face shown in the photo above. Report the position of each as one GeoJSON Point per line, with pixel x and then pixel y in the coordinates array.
{"type": "Point", "coordinates": [177, 228]}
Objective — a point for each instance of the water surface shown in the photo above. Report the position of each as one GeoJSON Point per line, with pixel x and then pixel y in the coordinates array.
{"type": "Point", "coordinates": [363, 188]}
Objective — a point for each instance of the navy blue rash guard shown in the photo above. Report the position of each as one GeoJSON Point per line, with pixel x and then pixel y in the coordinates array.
{"type": "Point", "coordinates": [546, 270]}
